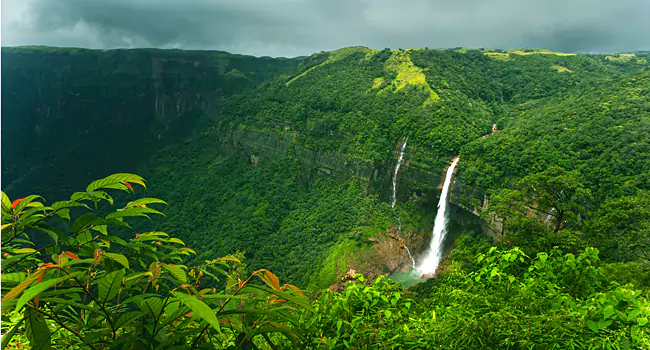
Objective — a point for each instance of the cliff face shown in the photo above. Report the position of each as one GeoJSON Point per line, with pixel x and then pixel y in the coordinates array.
{"type": "Point", "coordinates": [242, 148]}
{"type": "Point", "coordinates": [107, 111]}
{"type": "Point", "coordinates": [416, 177]}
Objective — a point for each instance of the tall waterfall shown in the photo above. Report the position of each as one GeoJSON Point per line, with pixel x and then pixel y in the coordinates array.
{"type": "Point", "coordinates": [434, 255]}
{"type": "Point", "coordinates": [394, 200]}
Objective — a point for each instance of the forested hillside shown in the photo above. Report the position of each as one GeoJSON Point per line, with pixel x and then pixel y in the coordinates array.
{"type": "Point", "coordinates": [288, 165]}
{"type": "Point", "coordinates": [96, 110]}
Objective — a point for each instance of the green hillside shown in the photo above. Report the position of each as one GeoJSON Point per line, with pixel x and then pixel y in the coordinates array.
{"type": "Point", "coordinates": [99, 110]}
{"type": "Point", "coordinates": [288, 163]}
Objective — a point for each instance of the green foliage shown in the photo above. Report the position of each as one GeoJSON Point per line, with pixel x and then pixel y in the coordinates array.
{"type": "Point", "coordinates": [362, 316]}
{"type": "Point", "coordinates": [291, 172]}
{"type": "Point", "coordinates": [507, 300]}
{"type": "Point", "coordinates": [88, 288]}
{"type": "Point", "coordinates": [98, 112]}
{"type": "Point", "coordinates": [622, 228]}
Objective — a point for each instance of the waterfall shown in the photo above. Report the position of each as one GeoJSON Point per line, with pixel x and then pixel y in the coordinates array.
{"type": "Point", "coordinates": [394, 200]}
{"type": "Point", "coordinates": [433, 257]}
{"type": "Point", "coordinates": [397, 166]}
{"type": "Point", "coordinates": [550, 215]}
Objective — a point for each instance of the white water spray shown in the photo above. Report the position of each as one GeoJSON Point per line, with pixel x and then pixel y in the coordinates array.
{"type": "Point", "coordinates": [397, 166]}
{"type": "Point", "coordinates": [394, 200]}
{"type": "Point", "coordinates": [550, 215]}
{"type": "Point", "coordinates": [434, 256]}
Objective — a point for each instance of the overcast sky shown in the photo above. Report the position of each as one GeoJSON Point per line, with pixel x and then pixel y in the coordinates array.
{"type": "Point", "coordinates": [302, 27]}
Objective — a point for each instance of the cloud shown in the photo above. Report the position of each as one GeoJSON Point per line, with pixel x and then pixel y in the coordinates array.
{"type": "Point", "coordinates": [301, 27]}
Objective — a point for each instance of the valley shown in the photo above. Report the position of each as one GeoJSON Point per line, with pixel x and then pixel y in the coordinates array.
{"type": "Point", "coordinates": [312, 167]}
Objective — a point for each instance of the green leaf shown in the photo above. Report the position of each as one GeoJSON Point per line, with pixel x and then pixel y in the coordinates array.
{"type": "Point", "coordinates": [272, 327]}
{"type": "Point", "coordinates": [59, 301]}
{"type": "Point", "coordinates": [84, 237]}
{"type": "Point", "coordinates": [175, 240]}
{"type": "Point", "coordinates": [83, 222]}
{"type": "Point", "coordinates": [388, 313]}
{"type": "Point", "coordinates": [6, 206]}
{"type": "Point", "coordinates": [76, 262]}
{"type": "Point", "coordinates": [608, 311]}
{"type": "Point", "coordinates": [53, 232]}
{"type": "Point", "coordinates": [633, 314]}
{"type": "Point", "coordinates": [68, 204]}
{"type": "Point", "coordinates": [95, 197]}
{"type": "Point", "coordinates": [154, 234]}
{"type": "Point", "coordinates": [145, 201]}
{"type": "Point", "coordinates": [152, 306]}
{"type": "Point", "coordinates": [8, 261]}
{"type": "Point", "coordinates": [129, 212]}
{"type": "Point", "coordinates": [103, 229]}
{"type": "Point", "coordinates": [20, 288]}
{"type": "Point", "coordinates": [15, 277]}
{"type": "Point", "coordinates": [24, 251]}
{"type": "Point", "coordinates": [200, 309]}
{"type": "Point", "coordinates": [36, 330]}
{"type": "Point", "coordinates": [119, 258]}
{"type": "Point", "coordinates": [27, 202]}
{"type": "Point", "coordinates": [643, 321]}
{"type": "Point", "coordinates": [63, 213]}
{"type": "Point", "coordinates": [110, 285]}
{"type": "Point", "coordinates": [53, 249]}
{"type": "Point", "coordinates": [592, 325]}
{"type": "Point", "coordinates": [115, 181]}
{"type": "Point", "coordinates": [115, 239]}
{"type": "Point", "coordinates": [127, 317]}
{"type": "Point", "coordinates": [176, 271]}
{"type": "Point", "coordinates": [6, 338]}
{"type": "Point", "coordinates": [37, 289]}
{"type": "Point", "coordinates": [604, 323]}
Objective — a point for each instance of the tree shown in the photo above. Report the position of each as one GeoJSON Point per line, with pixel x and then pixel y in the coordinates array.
{"type": "Point", "coordinates": [621, 228]}
{"type": "Point", "coordinates": [556, 194]}
{"type": "Point", "coordinates": [91, 288]}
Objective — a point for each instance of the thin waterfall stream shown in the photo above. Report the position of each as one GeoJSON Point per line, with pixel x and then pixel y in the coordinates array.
{"type": "Point", "coordinates": [394, 200]}
{"type": "Point", "coordinates": [434, 255]}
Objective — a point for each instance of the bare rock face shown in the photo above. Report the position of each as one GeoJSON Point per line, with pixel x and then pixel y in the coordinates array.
{"type": "Point", "coordinates": [386, 255]}
{"type": "Point", "coordinates": [349, 275]}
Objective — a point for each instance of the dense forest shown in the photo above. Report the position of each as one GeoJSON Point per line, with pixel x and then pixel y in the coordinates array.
{"type": "Point", "coordinates": [274, 226]}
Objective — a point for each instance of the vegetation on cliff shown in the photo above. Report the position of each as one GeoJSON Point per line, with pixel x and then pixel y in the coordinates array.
{"type": "Point", "coordinates": [286, 165]}
{"type": "Point", "coordinates": [89, 288]}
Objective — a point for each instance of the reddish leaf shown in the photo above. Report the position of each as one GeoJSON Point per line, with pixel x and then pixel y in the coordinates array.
{"type": "Point", "coordinates": [15, 203]}
{"type": "Point", "coordinates": [39, 280]}
{"type": "Point", "coordinates": [71, 255]}
{"type": "Point", "coordinates": [126, 183]}
{"type": "Point", "coordinates": [268, 277]}
{"type": "Point", "coordinates": [291, 286]}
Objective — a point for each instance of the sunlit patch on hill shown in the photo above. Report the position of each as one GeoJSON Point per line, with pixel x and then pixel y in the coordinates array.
{"type": "Point", "coordinates": [334, 56]}
{"type": "Point", "coordinates": [524, 52]}
{"type": "Point", "coordinates": [561, 69]}
{"type": "Point", "coordinates": [621, 57]}
{"type": "Point", "coordinates": [377, 83]}
{"type": "Point", "coordinates": [498, 55]}
{"type": "Point", "coordinates": [409, 74]}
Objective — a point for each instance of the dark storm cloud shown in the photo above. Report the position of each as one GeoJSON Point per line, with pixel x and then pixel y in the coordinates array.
{"type": "Point", "coordinates": [299, 27]}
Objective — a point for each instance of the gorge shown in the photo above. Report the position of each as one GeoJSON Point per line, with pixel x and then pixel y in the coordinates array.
{"type": "Point", "coordinates": [202, 199]}
{"type": "Point", "coordinates": [301, 149]}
